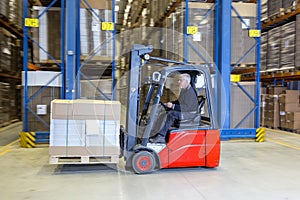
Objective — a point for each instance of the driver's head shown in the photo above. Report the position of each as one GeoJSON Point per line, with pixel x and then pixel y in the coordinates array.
{"type": "Point", "coordinates": [184, 80]}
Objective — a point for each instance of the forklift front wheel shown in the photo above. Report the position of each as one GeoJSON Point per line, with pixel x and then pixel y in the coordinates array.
{"type": "Point", "coordinates": [143, 162]}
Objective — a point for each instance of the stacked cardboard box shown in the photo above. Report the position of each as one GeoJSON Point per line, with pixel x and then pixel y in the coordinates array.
{"type": "Point", "coordinates": [297, 54]}
{"type": "Point", "coordinates": [241, 105]}
{"type": "Point", "coordinates": [262, 108]}
{"type": "Point", "coordinates": [264, 50]}
{"type": "Point", "coordinates": [287, 3]}
{"type": "Point", "coordinates": [39, 118]}
{"type": "Point", "coordinates": [271, 115]}
{"type": "Point", "coordinates": [14, 108]}
{"type": "Point", "coordinates": [5, 50]}
{"type": "Point", "coordinates": [274, 41]}
{"type": "Point", "coordinates": [4, 104]}
{"type": "Point", "coordinates": [274, 7]}
{"type": "Point", "coordinates": [3, 8]}
{"type": "Point", "coordinates": [12, 10]}
{"type": "Point", "coordinates": [100, 89]}
{"type": "Point", "coordinates": [264, 10]}
{"type": "Point", "coordinates": [293, 120]}
{"type": "Point", "coordinates": [289, 108]}
{"type": "Point", "coordinates": [276, 90]}
{"type": "Point", "coordinates": [203, 41]}
{"type": "Point", "coordinates": [241, 42]}
{"type": "Point", "coordinates": [287, 53]}
{"type": "Point", "coordinates": [92, 39]}
{"type": "Point", "coordinates": [84, 127]}
{"type": "Point", "coordinates": [271, 112]}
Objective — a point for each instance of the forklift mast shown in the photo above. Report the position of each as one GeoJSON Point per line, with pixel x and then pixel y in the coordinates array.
{"type": "Point", "coordinates": [133, 104]}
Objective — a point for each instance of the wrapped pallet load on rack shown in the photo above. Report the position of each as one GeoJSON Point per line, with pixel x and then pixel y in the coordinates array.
{"type": "Point", "coordinates": [241, 42]}
{"type": "Point", "coordinates": [4, 104]}
{"type": "Point", "coordinates": [5, 50]}
{"type": "Point", "coordinates": [264, 10]}
{"type": "Point", "coordinates": [38, 85]}
{"type": "Point", "coordinates": [85, 128]}
{"type": "Point", "coordinates": [264, 51]}
{"type": "Point", "coordinates": [203, 41]}
{"type": "Point", "coordinates": [287, 53]}
{"type": "Point", "coordinates": [91, 37]}
{"type": "Point", "coordinates": [274, 41]}
{"type": "Point", "coordinates": [297, 54]}
{"type": "Point", "coordinates": [274, 7]}
{"type": "Point", "coordinates": [3, 9]}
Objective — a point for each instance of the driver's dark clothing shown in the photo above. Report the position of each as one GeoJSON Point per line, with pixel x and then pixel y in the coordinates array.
{"type": "Point", "coordinates": [184, 108]}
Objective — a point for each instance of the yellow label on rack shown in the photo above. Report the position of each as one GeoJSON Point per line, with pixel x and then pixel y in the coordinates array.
{"type": "Point", "coordinates": [192, 30]}
{"type": "Point", "coordinates": [31, 22]}
{"type": "Point", "coordinates": [254, 33]}
{"type": "Point", "coordinates": [235, 77]}
{"type": "Point", "coordinates": [107, 26]}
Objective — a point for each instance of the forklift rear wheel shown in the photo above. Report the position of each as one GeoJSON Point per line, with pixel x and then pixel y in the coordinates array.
{"type": "Point", "coordinates": [143, 162]}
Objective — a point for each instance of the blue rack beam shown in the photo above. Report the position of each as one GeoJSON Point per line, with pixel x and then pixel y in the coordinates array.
{"type": "Point", "coordinates": [223, 61]}
{"type": "Point", "coordinates": [26, 39]}
{"type": "Point", "coordinates": [25, 67]}
{"type": "Point", "coordinates": [71, 16]}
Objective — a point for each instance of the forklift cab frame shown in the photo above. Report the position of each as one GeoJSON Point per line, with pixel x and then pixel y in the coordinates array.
{"type": "Point", "coordinates": [188, 146]}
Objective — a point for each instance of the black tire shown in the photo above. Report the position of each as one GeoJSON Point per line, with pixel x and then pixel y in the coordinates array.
{"type": "Point", "coordinates": [143, 162]}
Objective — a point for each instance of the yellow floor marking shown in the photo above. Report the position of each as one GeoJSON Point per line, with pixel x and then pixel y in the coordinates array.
{"type": "Point", "coordinates": [283, 132]}
{"type": "Point", "coordinates": [284, 144]}
{"type": "Point", "coordinates": [8, 145]}
{"type": "Point", "coordinates": [4, 152]}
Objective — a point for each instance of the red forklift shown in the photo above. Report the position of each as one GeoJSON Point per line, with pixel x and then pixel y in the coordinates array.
{"type": "Point", "coordinates": [189, 143]}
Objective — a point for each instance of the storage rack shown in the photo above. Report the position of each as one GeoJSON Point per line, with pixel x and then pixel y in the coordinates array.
{"type": "Point", "coordinates": [279, 19]}
{"type": "Point", "coordinates": [10, 65]}
{"type": "Point", "coordinates": [70, 64]}
{"type": "Point", "coordinates": [223, 11]}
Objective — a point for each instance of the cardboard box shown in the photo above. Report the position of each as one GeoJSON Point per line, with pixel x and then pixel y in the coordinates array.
{"type": "Point", "coordinates": [293, 116]}
{"type": "Point", "coordinates": [276, 90]}
{"type": "Point", "coordinates": [272, 122]}
{"type": "Point", "coordinates": [290, 96]}
{"type": "Point", "coordinates": [294, 125]}
{"type": "Point", "coordinates": [271, 113]}
{"type": "Point", "coordinates": [86, 109]}
{"type": "Point", "coordinates": [283, 124]}
{"type": "Point", "coordinates": [263, 90]}
{"type": "Point", "coordinates": [289, 107]}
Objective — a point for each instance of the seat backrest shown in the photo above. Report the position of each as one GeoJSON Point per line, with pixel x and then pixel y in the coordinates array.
{"type": "Point", "coordinates": [201, 102]}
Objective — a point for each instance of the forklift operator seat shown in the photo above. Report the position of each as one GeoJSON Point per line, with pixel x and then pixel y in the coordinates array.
{"type": "Point", "coordinates": [194, 121]}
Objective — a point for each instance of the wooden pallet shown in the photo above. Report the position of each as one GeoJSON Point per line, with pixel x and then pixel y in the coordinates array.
{"type": "Point", "coordinates": [4, 124]}
{"type": "Point", "coordinates": [62, 159]}
{"type": "Point", "coordinates": [266, 20]}
{"type": "Point", "coordinates": [270, 127]}
{"type": "Point", "coordinates": [282, 12]}
{"type": "Point", "coordinates": [289, 130]}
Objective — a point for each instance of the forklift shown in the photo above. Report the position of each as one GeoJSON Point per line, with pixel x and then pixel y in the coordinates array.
{"type": "Point", "coordinates": [189, 143]}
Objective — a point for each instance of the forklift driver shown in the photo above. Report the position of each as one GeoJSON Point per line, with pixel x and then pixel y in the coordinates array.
{"type": "Point", "coordinates": [184, 108]}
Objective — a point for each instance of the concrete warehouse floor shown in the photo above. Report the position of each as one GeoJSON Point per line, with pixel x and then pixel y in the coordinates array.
{"type": "Point", "coordinates": [248, 170]}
